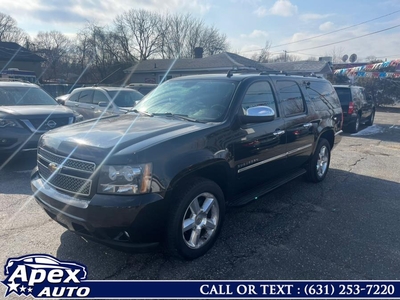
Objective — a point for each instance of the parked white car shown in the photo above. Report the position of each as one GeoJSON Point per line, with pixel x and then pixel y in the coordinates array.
{"type": "Point", "coordinates": [94, 102]}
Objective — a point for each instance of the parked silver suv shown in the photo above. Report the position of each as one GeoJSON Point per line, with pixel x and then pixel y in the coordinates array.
{"type": "Point", "coordinates": [94, 102]}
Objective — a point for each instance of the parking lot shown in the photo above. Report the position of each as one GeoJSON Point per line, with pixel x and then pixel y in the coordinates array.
{"type": "Point", "coordinates": [347, 227]}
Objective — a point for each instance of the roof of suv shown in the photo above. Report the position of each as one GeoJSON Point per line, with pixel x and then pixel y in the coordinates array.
{"type": "Point", "coordinates": [18, 84]}
{"type": "Point", "coordinates": [106, 88]}
{"type": "Point", "coordinates": [241, 76]}
{"type": "Point", "coordinates": [346, 86]}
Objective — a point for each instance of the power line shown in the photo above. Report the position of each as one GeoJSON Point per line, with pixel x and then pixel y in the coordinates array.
{"type": "Point", "coordinates": [346, 40]}
{"type": "Point", "coordinates": [317, 36]}
{"type": "Point", "coordinates": [348, 27]}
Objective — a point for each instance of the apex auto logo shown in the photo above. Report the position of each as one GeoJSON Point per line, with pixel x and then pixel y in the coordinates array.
{"type": "Point", "coordinates": [44, 276]}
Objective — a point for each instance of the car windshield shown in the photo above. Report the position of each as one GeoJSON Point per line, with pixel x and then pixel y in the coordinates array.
{"type": "Point", "coordinates": [203, 100]}
{"type": "Point", "coordinates": [12, 96]}
{"type": "Point", "coordinates": [344, 95]}
{"type": "Point", "coordinates": [125, 98]}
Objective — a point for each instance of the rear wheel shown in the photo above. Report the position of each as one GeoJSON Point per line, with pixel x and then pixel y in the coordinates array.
{"type": "Point", "coordinates": [371, 118]}
{"type": "Point", "coordinates": [319, 163]}
{"type": "Point", "coordinates": [196, 218]}
{"type": "Point", "coordinates": [354, 127]}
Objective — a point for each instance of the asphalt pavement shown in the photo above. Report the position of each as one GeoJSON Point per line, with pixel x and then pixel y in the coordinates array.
{"type": "Point", "coordinates": [347, 227]}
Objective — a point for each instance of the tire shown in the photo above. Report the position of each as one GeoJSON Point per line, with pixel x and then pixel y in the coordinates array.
{"type": "Point", "coordinates": [354, 127]}
{"type": "Point", "coordinates": [319, 163]}
{"type": "Point", "coordinates": [200, 205]}
{"type": "Point", "coordinates": [371, 118]}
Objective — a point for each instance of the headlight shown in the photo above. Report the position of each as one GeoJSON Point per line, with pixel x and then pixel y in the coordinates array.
{"type": "Point", "coordinates": [77, 117]}
{"type": "Point", "coordinates": [125, 180]}
{"type": "Point", "coordinates": [9, 123]}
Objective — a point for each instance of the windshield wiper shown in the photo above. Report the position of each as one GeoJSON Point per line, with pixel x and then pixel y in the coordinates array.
{"type": "Point", "coordinates": [179, 116]}
{"type": "Point", "coordinates": [142, 112]}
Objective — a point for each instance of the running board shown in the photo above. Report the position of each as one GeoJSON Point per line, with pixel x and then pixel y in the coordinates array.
{"type": "Point", "coordinates": [254, 194]}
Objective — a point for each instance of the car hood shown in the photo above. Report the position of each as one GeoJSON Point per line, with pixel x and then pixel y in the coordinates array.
{"type": "Point", "coordinates": [96, 138]}
{"type": "Point", "coordinates": [34, 110]}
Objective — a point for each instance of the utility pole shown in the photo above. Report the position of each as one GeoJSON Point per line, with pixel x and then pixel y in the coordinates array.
{"type": "Point", "coordinates": [285, 54]}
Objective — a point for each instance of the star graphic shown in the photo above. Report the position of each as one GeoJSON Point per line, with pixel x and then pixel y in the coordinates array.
{"type": "Point", "coordinates": [22, 289]}
{"type": "Point", "coordinates": [30, 290]}
{"type": "Point", "coordinates": [13, 287]}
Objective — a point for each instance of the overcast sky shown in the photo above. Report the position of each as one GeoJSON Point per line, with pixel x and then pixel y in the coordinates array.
{"type": "Point", "coordinates": [248, 24]}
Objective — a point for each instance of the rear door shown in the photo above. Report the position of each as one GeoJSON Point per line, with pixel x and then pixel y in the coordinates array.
{"type": "Point", "coordinates": [300, 128]}
{"type": "Point", "coordinates": [345, 98]}
{"type": "Point", "coordinates": [366, 106]}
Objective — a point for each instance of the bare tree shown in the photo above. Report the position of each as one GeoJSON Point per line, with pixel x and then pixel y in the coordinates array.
{"type": "Point", "coordinates": [372, 59]}
{"type": "Point", "coordinates": [139, 33]}
{"type": "Point", "coordinates": [263, 54]}
{"type": "Point", "coordinates": [10, 32]}
{"type": "Point", "coordinates": [213, 42]}
{"type": "Point", "coordinates": [336, 54]}
{"type": "Point", "coordinates": [182, 33]}
{"type": "Point", "coordinates": [284, 57]}
{"type": "Point", "coordinates": [99, 54]}
{"type": "Point", "coordinates": [54, 47]}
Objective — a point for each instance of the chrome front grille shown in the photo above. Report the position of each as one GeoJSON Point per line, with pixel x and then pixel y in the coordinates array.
{"type": "Point", "coordinates": [41, 125]}
{"type": "Point", "coordinates": [56, 170]}
{"type": "Point", "coordinates": [72, 163]}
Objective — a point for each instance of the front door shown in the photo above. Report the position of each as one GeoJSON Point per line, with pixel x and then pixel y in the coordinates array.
{"type": "Point", "coordinates": [260, 154]}
{"type": "Point", "coordinates": [85, 104]}
{"type": "Point", "coordinates": [101, 111]}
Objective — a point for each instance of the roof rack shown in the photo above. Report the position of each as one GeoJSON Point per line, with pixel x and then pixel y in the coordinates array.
{"type": "Point", "coordinates": [274, 72]}
{"type": "Point", "coordinates": [289, 74]}
{"type": "Point", "coordinates": [241, 70]}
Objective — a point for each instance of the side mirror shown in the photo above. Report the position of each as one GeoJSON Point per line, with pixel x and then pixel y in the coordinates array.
{"type": "Point", "coordinates": [258, 114]}
{"type": "Point", "coordinates": [103, 104]}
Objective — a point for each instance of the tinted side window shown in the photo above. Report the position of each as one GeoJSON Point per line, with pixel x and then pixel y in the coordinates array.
{"type": "Point", "coordinates": [86, 96]}
{"type": "Point", "coordinates": [74, 96]}
{"type": "Point", "coordinates": [99, 97]}
{"type": "Point", "coordinates": [291, 97]}
{"type": "Point", "coordinates": [259, 94]}
{"type": "Point", "coordinates": [323, 95]}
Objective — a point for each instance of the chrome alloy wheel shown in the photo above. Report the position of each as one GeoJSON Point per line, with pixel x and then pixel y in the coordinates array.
{"type": "Point", "coordinates": [357, 126]}
{"type": "Point", "coordinates": [200, 220]}
{"type": "Point", "coordinates": [322, 162]}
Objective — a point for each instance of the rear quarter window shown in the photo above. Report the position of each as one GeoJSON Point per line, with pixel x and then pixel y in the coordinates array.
{"type": "Point", "coordinates": [323, 95]}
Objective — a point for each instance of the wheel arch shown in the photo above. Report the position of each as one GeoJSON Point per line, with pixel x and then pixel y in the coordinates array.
{"type": "Point", "coordinates": [329, 135]}
{"type": "Point", "coordinates": [217, 171]}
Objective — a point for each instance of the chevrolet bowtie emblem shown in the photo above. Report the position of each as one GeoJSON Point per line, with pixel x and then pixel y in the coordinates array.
{"type": "Point", "coordinates": [53, 167]}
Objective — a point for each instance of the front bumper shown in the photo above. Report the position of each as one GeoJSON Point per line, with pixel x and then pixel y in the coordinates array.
{"type": "Point", "coordinates": [17, 139]}
{"type": "Point", "coordinates": [123, 222]}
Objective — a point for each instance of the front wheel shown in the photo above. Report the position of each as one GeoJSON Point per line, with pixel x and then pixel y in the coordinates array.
{"type": "Point", "coordinates": [319, 163]}
{"type": "Point", "coordinates": [195, 219]}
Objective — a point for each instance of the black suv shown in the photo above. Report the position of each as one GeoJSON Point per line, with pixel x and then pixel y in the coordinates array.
{"type": "Point", "coordinates": [166, 171]}
{"type": "Point", "coordinates": [26, 112]}
{"type": "Point", "coordinates": [357, 107]}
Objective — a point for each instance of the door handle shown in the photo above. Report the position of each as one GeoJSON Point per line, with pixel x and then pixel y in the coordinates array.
{"type": "Point", "coordinates": [307, 125]}
{"type": "Point", "coordinates": [279, 132]}
{"type": "Point", "coordinates": [92, 107]}
{"type": "Point", "coordinates": [76, 104]}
